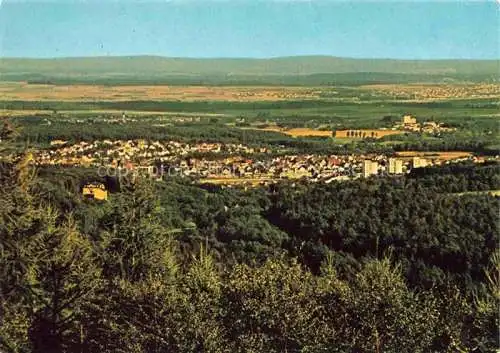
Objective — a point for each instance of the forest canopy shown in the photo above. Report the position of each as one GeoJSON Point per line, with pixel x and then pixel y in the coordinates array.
{"type": "Point", "coordinates": [361, 266]}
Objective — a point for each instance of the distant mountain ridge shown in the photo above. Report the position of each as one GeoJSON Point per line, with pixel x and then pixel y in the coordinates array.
{"type": "Point", "coordinates": [150, 67]}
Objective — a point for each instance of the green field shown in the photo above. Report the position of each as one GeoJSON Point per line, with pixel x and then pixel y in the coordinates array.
{"type": "Point", "coordinates": [94, 95]}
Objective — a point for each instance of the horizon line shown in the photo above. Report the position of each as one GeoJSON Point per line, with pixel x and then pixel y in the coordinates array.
{"type": "Point", "coordinates": [100, 56]}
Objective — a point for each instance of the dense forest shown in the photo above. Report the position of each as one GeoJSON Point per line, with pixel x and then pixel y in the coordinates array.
{"type": "Point", "coordinates": [435, 222]}
{"type": "Point", "coordinates": [406, 264]}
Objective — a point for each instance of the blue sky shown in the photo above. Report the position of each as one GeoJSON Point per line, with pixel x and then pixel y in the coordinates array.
{"type": "Point", "coordinates": [254, 28]}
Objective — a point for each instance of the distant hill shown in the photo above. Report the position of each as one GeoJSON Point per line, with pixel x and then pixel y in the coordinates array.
{"type": "Point", "coordinates": [284, 70]}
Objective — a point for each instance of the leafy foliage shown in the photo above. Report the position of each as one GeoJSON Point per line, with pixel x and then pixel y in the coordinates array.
{"type": "Point", "coordinates": [392, 265]}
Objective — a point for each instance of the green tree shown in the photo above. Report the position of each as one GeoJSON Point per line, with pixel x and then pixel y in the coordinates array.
{"type": "Point", "coordinates": [66, 277]}
{"type": "Point", "coordinates": [270, 308]}
{"type": "Point", "coordinates": [132, 241]}
{"type": "Point", "coordinates": [48, 270]}
{"type": "Point", "coordinates": [21, 223]}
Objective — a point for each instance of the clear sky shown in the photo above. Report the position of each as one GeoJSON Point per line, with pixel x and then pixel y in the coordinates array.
{"type": "Point", "coordinates": [410, 29]}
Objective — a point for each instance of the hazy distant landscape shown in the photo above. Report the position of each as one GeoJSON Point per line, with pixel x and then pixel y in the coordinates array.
{"type": "Point", "coordinates": [308, 70]}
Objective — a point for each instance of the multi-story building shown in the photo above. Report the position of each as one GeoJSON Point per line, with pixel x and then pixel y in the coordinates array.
{"type": "Point", "coordinates": [95, 191]}
{"type": "Point", "coordinates": [395, 166]}
{"type": "Point", "coordinates": [369, 168]}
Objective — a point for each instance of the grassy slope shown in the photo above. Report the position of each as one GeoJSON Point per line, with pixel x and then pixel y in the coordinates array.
{"type": "Point", "coordinates": [299, 70]}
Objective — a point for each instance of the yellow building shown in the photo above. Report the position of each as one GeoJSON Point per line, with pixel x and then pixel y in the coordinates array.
{"type": "Point", "coordinates": [86, 161]}
{"type": "Point", "coordinates": [409, 120]}
{"type": "Point", "coordinates": [369, 168]}
{"type": "Point", "coordinates": [95, 191]}
{"type": "Point", "coordinates": [395, 166]}
{"type": "Point", "coordinates": [418, 162]}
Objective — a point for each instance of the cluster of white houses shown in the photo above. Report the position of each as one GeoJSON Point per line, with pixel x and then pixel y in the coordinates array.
{"type": "Point", "coordinates": [409, 123]}
{"type": "Point", "coordinates": [232, 161]}
{"type": "Point", "coordinates": [135, 151]}
{"type": "Point", "coordinates": [174, 158]}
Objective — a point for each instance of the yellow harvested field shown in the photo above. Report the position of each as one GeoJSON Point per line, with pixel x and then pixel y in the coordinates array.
{"type": "Point", "coordinates": [5, 113]}
{"type": "Point", "coordinates": [273, 129]}
{"type": "Point", "coordinates": [435, 155]}
{"type": "Point", "coordinates": [296, 132]}
{"type": "Point", "coordinates": [46, 92]}
{"type": "Point", "coordinates": [409, 92]}
{"type": "Point", "coordinates": [303, 132]}
{"type": "Point", "coordinates": [366, 133]}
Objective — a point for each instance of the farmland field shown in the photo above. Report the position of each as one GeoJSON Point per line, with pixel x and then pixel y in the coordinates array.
{"type": "Point", "coordinates": [12, 91]}
{"type": "Point", "coordinates": [46, 92]}
{"type": "Point", "coordinates": [435, 154]}
{"type": "Point", "coordinates": [364, 133]}
{"type": "Point", "coordinates": [325, 108]}
{"type": "Point", "coordinates": [262, 114]}
{"type": "Point", "coordinates": [308, 132]}
{"type": "Point", "coordinates": [278, 115]}
{"type": "Point", "coordinates": [296, 132]}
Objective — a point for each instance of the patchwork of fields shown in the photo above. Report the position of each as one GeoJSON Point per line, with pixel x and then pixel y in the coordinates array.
{"type": "Point", "coordinates": [313, 119]}
{"type": "Point", "coordinates": [90, 92]}
{"type": "Point", "coordinates": [41, 92]}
